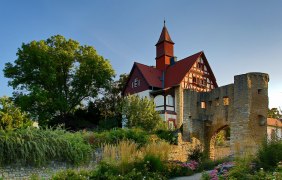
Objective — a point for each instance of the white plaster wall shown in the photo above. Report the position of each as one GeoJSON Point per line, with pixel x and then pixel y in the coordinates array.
{"type": "Point", "coordinates": [169, 108]}
{"type": "Point", "coordinates": [277, 130]}
{"type": "Point", "coordinates": [170, 116]}
{"type": "Point", "coordinates": [144, 94]}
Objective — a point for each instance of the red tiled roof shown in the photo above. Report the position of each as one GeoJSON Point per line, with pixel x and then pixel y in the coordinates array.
{"type": "Point", "coordinates": [274, 122]}
{"type": "Point", "coordinates": [176, 72]}
{"type": "Point", "coordinates": [164, 36]}
{"type": "Point", "coordinates": [152, 75]}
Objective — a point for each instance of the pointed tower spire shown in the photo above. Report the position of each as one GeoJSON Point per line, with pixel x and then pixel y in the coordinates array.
{"type": "Point", "coordinates": [164, 49]}
{"type": "Point", "coordinates": [164, 36]}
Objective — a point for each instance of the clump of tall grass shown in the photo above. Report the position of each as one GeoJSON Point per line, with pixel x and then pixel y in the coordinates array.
{"type": "Point", "coordinates": [33, 146]}
{"type": "Point", "coordinates": [127, 151]}
{"type": "Point", "coordinates": [159, 149]}
{"type": "Point", "coordinates": [126, 154]}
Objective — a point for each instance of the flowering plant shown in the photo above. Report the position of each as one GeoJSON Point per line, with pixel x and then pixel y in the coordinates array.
{"type": "Point", "coordinates": [220, 171]}
{"type": "Point", "coordinates": [193, 165]}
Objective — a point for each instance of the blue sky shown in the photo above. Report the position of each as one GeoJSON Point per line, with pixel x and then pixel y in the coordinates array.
{"type": "Point", "coordinates": [236, 36]}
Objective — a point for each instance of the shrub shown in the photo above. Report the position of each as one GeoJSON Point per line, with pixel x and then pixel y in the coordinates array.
{"type": "Point", "coordinates": [153, 163]}
{"type": "Point", "coordinates": [270, 154]}
{"type": "Point", "coordinates": [37, 147]}
{"type": "Point", "coordinates": [71, 174]}
{"type": "Point", "coordinates": [167, 135]}
{"type": "Point", "coordinates": [196, 153]}
{"type": "Point", "coordinates": [208, 164]}
{"type": "Point", "coordinates": [176, 169]}
{"type": "Point", "coordinates": [12, 117]}
{"type": "Point", "coordinates": [242, 168]}
{"type": "Point", "coordinates": [96, 139]}
{"type": "Point", "coordinates": [110, 172]}
{"type": "Point", "coordinates": [140, 113]}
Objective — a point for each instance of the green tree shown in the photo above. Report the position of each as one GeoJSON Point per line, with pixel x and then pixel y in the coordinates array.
{"type": "Point", "coordinates": [107, 109]}
{"type": "Point", "coordinates": [140, 112]}
{"type": "Point", "coordinates": [274, 113]}
{"type": "Point", "coordinates": [53, 77]}
{"type": "Point", "coordinates": [12, 117]}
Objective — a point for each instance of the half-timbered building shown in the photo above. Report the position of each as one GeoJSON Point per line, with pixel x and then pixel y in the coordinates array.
{"type": "Point", "coordinates": [166, 81]}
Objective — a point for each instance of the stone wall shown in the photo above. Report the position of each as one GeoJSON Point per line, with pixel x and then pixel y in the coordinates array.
{"type": "Point", "coordinates": [25, 172]}
{"type": "Point", "coordinates": [242, 106]}
{"type": "Point", "coordinates": [19, 172]}
{"type": "Point", "coordinates": [180, 152]}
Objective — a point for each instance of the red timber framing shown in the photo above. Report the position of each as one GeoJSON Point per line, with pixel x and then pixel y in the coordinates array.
{"type": "Point", "coordinates": [199, 78]}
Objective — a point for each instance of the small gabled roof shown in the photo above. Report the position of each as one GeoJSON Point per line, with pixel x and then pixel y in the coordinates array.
{"type": "Point", "coordinates": [152, 75]}
{"type": "Point", "coordinates": [177, 72]}
{"type": "Point", "coordinates": [164, 36]}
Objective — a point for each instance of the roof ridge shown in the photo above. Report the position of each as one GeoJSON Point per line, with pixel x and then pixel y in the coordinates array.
{"type": "Point", "coordinates": [200, 52]}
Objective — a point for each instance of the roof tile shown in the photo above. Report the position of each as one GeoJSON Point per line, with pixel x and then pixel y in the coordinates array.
{"type": "Point", "coordinates": [151, 74]}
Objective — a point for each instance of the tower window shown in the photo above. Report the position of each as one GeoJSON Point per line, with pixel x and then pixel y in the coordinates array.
{"type": "Point", "coordinates": [259, 91]}
{"type": "Point", "coordinates": [203, 105]}
{"type": "Point", "coordinates": [225, 101]}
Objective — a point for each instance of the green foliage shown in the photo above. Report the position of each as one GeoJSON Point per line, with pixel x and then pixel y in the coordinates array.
{"type": "Point", "coordinates": [264, 175]}
{"type": "Point", "coordinates": [274, 113]}
{"type": "Point", "coordinates": [208, 164]}
{"type": "Point", "coordinates": [37, 147]}
{"type": "Point", "coordinates": [34, 177]}
{"type": "Point", "coordinates": [12, 117]}
{"type": "Point", "coordinates": [109, 106]}
{"type": "Point", "coordinates": [109, 123]}
{"type": "Point", "coordinates": [111, 172]}
{"type": "Point", "coordinates": [196, 153]}
{"type": "Point", "coordinates": [176, 169]}
{"type": "Point", "coordinates": [113, 136]}
{"type": "Point", "coordinates": [153, 163]}
{"type": "Point", "coordinates": [140, 112]}
{"type": "Point", "coordinates": [71, 174]}
{"type": "Point", "coordinates": [270, 154]}
{"type": "Point", "coordinates": [52, 77]}
{"type": "Point", "coordinates": [220, 138]}
{"type": "Point", "coordinates": [167, 135]}
{"type": "Point", "coordinates": [242, 168]}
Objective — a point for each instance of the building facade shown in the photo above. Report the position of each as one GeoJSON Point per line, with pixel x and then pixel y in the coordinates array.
{"type": "Point", "coordinates": [186, 94]}
{"type": "Point", "coordinates": [274, 128]}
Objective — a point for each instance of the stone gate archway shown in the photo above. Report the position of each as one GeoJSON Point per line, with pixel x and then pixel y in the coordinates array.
{"type": "Point", "coordinates": [216, 150]}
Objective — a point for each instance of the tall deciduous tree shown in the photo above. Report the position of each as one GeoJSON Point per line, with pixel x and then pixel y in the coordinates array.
{"type": "Point", "coordinates": [140, 112]}
{"type": "Point", "coordinates": [107, 109]}
{"type": "Point", "coordinates": [52, 77]}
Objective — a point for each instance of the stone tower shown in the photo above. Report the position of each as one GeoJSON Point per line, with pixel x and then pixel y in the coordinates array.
{"type": "Point", "coordinates": [248, 125]}
{"type": "Point", "coordinates": [241, 106]}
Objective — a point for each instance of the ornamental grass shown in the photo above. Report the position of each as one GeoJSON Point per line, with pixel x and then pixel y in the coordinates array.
{"type": "Point", "coordinates": [33, 146]}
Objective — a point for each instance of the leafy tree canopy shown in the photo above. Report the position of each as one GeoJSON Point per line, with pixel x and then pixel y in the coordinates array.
{"type": "Point", "coordinates": [11, 117]}
{"type": "Point", "coordinates": [274, 113]}
{"type": "Point", "coordinates": [107, 109]}
{"type": "Point", "coordinates": [140, 112]}
{"type": "Point", "coordinates": [52, 77]}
